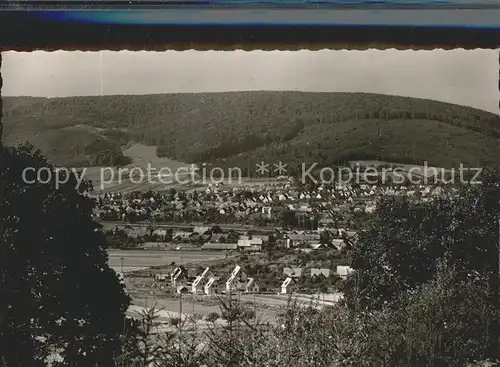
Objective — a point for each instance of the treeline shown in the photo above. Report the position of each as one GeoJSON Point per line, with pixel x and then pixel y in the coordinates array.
{"type": "Point", "coordinates": [110, 158]}
{"type": "Point", "coordinates": [234, 145]}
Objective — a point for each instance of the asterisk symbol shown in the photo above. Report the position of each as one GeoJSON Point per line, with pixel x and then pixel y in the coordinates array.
{"type": "Point", "coordinates": [280, 168]}
{"type": "Point", "coordinates": [262, 168]}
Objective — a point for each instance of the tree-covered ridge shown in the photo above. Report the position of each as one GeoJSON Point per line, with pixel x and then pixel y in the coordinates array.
{"type": "Point", "coordinates": [238, 126]}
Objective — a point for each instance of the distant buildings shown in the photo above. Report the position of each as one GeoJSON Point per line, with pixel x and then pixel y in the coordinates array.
{"type": "Point", "coordinates": [319, 207]}
{"type": "Point", "coordinates": [294, 272]}
{"type": "Point", "coordinates": [251, 286]}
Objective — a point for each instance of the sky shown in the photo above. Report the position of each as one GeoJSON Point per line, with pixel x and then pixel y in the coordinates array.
{"type": "Point", "coordinates": [465, 77]}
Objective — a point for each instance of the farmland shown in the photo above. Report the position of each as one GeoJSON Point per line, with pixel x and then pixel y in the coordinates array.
{"type": "Point", "coordinates": [142, 259]}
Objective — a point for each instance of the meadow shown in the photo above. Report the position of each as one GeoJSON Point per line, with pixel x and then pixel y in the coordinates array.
{"type": "Point", "coordinates": [142, 259]}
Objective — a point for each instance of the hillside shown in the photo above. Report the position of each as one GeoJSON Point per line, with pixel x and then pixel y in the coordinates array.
{"type": "Point", "coordinates": [242, 128]}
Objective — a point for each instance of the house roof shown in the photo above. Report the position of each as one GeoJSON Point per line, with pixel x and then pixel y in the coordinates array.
{"type": "Point", "coordinates": [318, 271]}
{"type": "Point", "coordinates": [339, 244]}
{"type": "Point", "coordinates": [200, 229]}
{"type": "Point", "coordinates": [182, 234]}
{"type": "Point", "coordinates": [293, 272]}
{"type": "Point", "coordinates": [244, 243]}
{"type": "Point", "coordinates": [344, 270]}
{"type": "Point", "coordinates": [263, 237]}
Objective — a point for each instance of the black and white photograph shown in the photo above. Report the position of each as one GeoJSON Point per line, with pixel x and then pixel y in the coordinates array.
{"type": "Point", "coordinates": [250, 208]}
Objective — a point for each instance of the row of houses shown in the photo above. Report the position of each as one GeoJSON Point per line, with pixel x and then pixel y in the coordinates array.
{"type": "Point", "coordinates": [204, 237]}
{"type": "Point", "coordinates": [293, 274]}
{"type": "Point", "coordinates": [209, 284]}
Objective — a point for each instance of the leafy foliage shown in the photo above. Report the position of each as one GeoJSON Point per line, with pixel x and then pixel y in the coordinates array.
{"type": "Point", "coordinates": [398, 251]}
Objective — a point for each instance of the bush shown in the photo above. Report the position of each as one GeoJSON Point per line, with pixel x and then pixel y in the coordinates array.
{"type": "Point", "coordinates": [175, 321]}
{"type": "Point", "coordinates": [212, 317]}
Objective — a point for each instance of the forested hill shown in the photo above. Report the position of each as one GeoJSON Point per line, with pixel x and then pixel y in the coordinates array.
{"type": "Point", "coordinates": [245, 127]}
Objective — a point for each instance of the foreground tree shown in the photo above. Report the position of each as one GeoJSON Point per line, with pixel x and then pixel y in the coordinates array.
{"type": "Point", "coordinates": [57, 292]}
{"type": "Point", "coordinates": [400, 251]}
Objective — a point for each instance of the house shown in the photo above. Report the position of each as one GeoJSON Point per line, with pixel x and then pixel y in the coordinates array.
{"type": "Point", "coordinates": [161, 233]}
{"type": "Point", "coordinates": [244, 241]}
{"type": "Point", "coordinates": [350, 234]}
{"type": "Point", "coordinates": [293, 272]}
{"type": "Point", "coordinates": [327, 222]}
{"type": "Point", "coordinates": [161, 277]}
{"type": "Point", "coordinates": [194, 237]}
{"type": "Point", "coordinates": [213, 286]}
{"type": "Point", "coordinates": [316, 246]}
{"type": "Point", "coordinates": [253, 248]}
{"type": "Point", "coordinates": [339, 244]}
{"type": "Point", "coordinates": [315, 272]}
{"type": "Point", "coordinates": [251, 286]}
{"type": "Point", "coordinates": [344, 271]}
{"type": "Point", "coordinates": [219, 246]}
{"type": "Point", "coordinates": [201, 230]}
{"type": "Point", "coordinates": [256, 241]}
{"type": "Point", "coordinates": [235, 279]}
{"type": "Point", "coordinates": [267, 212]}
{"type": "Point", "coordinates": [137, 232]}
{"type": "Point", "coordinates": [286, 285]}
{"type": "Point", "coordinates": [182, 289]}
{"type": "Point", "coordinates": [263, 237]}
{"type": "Point", "coordinates": [179, 273]}
{"type": "Point", "coordinates": [200, 280]}
{"type": "Point", "coordinates": [303, 237]}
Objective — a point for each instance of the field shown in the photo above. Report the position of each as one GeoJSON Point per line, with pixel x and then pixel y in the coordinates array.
{"type": "Point", "coordinates": [142, 259]}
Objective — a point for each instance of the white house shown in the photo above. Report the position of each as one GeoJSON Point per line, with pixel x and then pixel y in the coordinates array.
{"type": "Point", "coordinates": [339, 244]}
{"type": "Point", "coordinates": [251, 286]}
{"type": "Point", "coordinates": [212, 286]}
{"type": "Point", "coordinates": [344, 271]}
{"type": "Point", "coordinates": [200, 279]}
{"type": "Point", "coordinates": [285, 286]}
